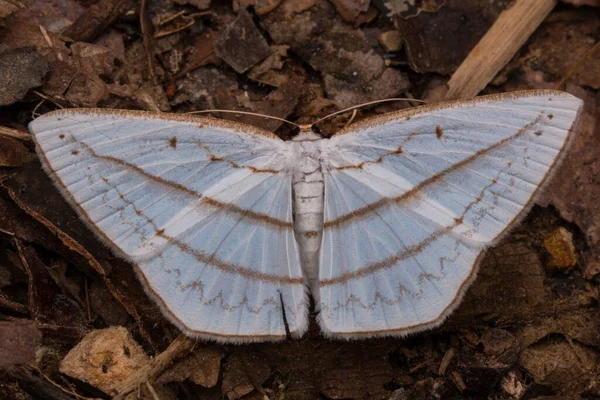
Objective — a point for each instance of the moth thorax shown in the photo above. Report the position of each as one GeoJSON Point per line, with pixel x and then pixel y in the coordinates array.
{"type": "Point", "coordinates": [306, 136]}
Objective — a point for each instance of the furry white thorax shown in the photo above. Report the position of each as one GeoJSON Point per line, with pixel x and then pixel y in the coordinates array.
{"type": "Point", "coordinates": [308, 201]}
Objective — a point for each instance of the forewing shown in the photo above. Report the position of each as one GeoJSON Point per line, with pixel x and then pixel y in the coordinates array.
{"type": "Point", "coordinates": [202, 207]}
{"type": "Point", "coordinates": [412, 199]}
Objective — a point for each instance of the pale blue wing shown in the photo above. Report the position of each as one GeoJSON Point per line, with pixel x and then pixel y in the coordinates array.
{"type": "Point", "coordinates": [202, 207]}
{"type": "Point", "coordinates": [413, 198]}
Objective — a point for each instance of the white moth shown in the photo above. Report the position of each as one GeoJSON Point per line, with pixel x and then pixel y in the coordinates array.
{"type": "Point", "coordinates": [230, 228]}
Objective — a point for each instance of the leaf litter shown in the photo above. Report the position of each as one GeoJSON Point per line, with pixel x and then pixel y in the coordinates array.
{"type": "Point", "coordinates": [63, 294]}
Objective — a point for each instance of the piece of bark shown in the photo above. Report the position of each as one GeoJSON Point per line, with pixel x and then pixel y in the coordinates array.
{"type": "Point", "coordinates": [96, 19]}
{"type": "Point", "coordinates": [440, 41]}
{"type": "Point", "coordinates": [20, 70]}
{"type": "Point", "coordinates": [19, 340]}
{"type": "Point", "coordinates": [241, 45]}
{"type": "Point", "coordinates": [510, 31]}
{"type": "Point", "coordinates": [12, 152]}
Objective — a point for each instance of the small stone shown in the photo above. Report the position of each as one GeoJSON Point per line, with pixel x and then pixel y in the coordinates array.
{"type": "Point", "coordinates": [559, 244]}
{"type": "Point", "coordinates": [391, 41]}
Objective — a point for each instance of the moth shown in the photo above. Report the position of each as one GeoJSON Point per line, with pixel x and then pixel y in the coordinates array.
{"type": "Point", "coordinates": [231, 228]}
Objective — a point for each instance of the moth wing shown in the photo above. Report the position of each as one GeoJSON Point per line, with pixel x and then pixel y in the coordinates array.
{"type": "Point", "coordinates": [413, 198]}
{"type": "Point", "coordinates": [201, 207]}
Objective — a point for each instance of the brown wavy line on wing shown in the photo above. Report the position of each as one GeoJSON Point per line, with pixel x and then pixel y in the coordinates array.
{"type": "Point", "coordinates": [411, 251]}
{"type": "Point", "coordinates": [373, 207]}
{"type": "Point", "coordinates": [200, 256]}
{"type": "Point", "coordinates": [231, 208]}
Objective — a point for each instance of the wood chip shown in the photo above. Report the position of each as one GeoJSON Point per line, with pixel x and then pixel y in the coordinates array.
{"type": "Point", "coordinates": [510, 31]}
{"type": "Point", "coordinates": [559, 243]}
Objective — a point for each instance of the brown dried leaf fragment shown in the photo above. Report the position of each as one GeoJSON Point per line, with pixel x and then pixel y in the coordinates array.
{"type": "Point", "coordinates": [565, 366]}
{"type": "Point", "coordinates": [48, 304]}
{"type": "Point", "coordinates": [261, 7]}
{"type": "Point", "coordinates": [96, 19]}
{"type": "Point", "coordinates": [19, 340]}
{"type": "Point", "coordinates": [411, 8]}
{"type": "Point", "coordinates": [439, 42]}
{"type": "Point", "coordinates": [350, 9]}
{"type": "Point", "coordinates": [20, 70]}
{"type": "Point", "coordinates": [242, 45]}
{"type": "Point", "coordinates": [201, 367]}
{"type": "Point", "coordinates": [365, 79]}
{"type": "Point", "coordinates": [242, 374]}
{"type": "Point", "coordinates": [7, 7]}
{"type": "Point", "coordinates": [269, 71]}
{"type": "Point", "coordinates": [13, 153]}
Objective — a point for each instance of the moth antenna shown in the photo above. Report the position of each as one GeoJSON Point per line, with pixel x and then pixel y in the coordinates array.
{"type": "Point", "coordinates": [366, 104]}
{"type": "Point", "coordinates": [247, 113]}
{"type": "Point", "coordinates": [354, 112]}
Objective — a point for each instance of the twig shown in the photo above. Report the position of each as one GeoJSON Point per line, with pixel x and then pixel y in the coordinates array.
{"type": "Point", "coordinates": [146, 28]}
{"type": "Point", "coordinates": [189, 19]}
{"type": "Point", "coordinates": [45, 35]}
{"type": "Point", "coordinates": [178, 347]}
{"type": "Point", "coordinates": [501, 42]}
{"type": "Point", "coordinates": [96, 19]}
{"type": "Point", "coordinates": [14, 133]}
